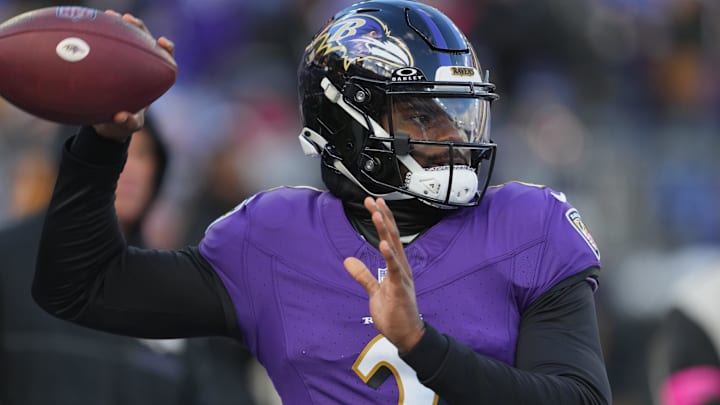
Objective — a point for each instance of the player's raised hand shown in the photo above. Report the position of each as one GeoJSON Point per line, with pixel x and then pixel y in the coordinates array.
{"type": "Point", "coordinates": [393, 305]}
{"type": "Point", "coordinates": [125, 123]}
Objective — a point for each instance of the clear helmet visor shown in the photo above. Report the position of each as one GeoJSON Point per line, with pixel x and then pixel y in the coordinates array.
{"type": "Point", "coordinates": [459, 119]}
{"type": "Point", "coordinates": [441, 130]}
{"type": "Point", "coordinates": [447, 139]}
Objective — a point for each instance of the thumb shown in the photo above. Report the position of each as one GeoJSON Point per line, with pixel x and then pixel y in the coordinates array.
{"type": "Point", "coordinates": [361, 274]}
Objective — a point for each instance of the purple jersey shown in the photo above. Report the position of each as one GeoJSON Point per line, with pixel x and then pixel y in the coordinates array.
{"type": "Point", "coordinates": [280, 255]}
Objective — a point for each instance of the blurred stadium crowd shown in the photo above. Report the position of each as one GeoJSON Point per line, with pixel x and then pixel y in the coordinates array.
{"type": "Point", "coordinates": [614, 102]}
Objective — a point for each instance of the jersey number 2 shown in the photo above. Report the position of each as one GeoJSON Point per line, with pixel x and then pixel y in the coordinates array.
{"type": "Point", "coordinates": [379, 360]}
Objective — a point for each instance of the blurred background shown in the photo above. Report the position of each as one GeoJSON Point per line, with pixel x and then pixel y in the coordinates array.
{"type": "Point", "coordinates": [614, 102]}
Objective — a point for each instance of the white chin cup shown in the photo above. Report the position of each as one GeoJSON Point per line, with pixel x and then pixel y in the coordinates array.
{"type": "Point", "coordinates": [433, 183]}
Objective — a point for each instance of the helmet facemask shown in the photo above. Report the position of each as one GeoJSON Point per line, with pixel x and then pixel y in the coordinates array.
{"type": "Point", "coordinates": [428, 140]}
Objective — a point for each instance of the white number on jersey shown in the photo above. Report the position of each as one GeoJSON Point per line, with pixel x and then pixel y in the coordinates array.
{"type": "Point", "coordinates": [379, 359]}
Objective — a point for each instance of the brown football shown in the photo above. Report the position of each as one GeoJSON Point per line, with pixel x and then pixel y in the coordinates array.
{"type": "Point", "coordinates": [77, 65]}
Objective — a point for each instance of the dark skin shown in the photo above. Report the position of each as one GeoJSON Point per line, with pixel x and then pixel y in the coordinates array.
{"type": "Point", "coordinates": [392, 304]}
{"type": "Point", "coordinates": [423, 120]}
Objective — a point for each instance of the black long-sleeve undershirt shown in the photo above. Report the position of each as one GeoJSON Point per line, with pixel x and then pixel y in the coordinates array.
{"type": "Point", "coordinates": [87, 274]}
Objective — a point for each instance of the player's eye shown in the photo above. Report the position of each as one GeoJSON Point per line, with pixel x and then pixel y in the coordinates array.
{"type": "Point", "coordinates": [423, 120]}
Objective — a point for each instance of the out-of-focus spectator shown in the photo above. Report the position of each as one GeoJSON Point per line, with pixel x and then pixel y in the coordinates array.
{"type": "Point", "coordinates": [684, 366]}
{"type": "Point", "coordinates": [48, 361]}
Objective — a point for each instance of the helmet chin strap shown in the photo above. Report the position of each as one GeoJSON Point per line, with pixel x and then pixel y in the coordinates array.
{"type": "Point", "coordinates": [432, 183]}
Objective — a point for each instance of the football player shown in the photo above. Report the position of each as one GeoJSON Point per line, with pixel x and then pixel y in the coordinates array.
{"type": "Point", "coordinates": [477, 294]}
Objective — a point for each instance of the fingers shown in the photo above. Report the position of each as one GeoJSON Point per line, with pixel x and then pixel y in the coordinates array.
{"type": "Point", "coordinates": [129, 18]}
{"type": "Point", "coordinates": [361, 274]}
{"type": "Point", "coordinates": [385, 224]}
{"type": "Point", "coordinates": [167, 45]}
{"type": "Point", "coordinates": [387, 213]}
{"type": "Point", "coordinates": [390, 246]}
{"type": "Point", "coordinates": [393, 233]}
{"type": "Point", "coordinates": [129, 121]}
{"type": "Point", "coordinates": [163, 42]}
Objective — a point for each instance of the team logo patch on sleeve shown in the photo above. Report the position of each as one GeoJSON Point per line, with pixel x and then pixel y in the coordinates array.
{"type": "Point", "coordinates": [574, 217]}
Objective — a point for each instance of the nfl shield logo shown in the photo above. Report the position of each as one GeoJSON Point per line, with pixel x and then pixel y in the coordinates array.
{"type": "Point", "coordinates": [76, 13]}
{"type": "Point", "coordinates": [382, 272]}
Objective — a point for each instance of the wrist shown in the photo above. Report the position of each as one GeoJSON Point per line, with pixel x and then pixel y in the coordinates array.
{"type": "Point", "coordinates": [89, 146]}
{"type": "Point", "coordinates": [428, 355]}
{"type": "Point", "coordinates": [411, 340]}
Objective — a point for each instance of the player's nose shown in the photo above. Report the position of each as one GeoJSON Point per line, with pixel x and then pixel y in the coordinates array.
{"type": "Point", "coordinates": [446, 131]}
